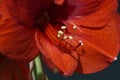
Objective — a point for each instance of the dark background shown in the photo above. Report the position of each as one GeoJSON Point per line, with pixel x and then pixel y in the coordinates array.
{"type": "Point", "coordinates": [110, 73]}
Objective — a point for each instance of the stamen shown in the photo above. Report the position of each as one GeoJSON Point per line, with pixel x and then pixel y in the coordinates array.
{"type": "Point", "coordinates": [70, 37]}
{"type": "Point", "coordinates": [81, 42]}
{"type": "Point", "coordinates": [63, 27]}
{"type": "Point", "coordinates": [74, 27]}
{"type": "Point", "coordinates": [60, 32]}
{"type": "Point", "coordinates": [65, 37]}
{"type": "Point", "coordinates": [79, 29]}
{"type": "Point", "coordinates": [58, 35]}
{"type": "Point", "coordinates": [115, 58]}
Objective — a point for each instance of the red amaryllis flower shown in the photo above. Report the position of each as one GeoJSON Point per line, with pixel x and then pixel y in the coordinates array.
{"type": "Point", "coordinates": [76, 35]}
{"type": "Point", "coordinates": [17, 42]}
{"type": "Point", "coordinates": [81, 35]}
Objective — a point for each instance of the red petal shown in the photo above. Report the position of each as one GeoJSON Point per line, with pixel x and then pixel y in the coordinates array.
{"type": "Point", "coordinates": [11, 71]}
{"type": "Point", "coordinates": [98, 29]}
{"type": "Point", "coordinates": [23, 11]}
{"type": "Point", "coordinates": [118, 20]}
{"type": "Point", "coordinates": [65, 62]}
{"type": "Point", "coordinates": [16, 40]}
{"type": "Point", "coordinates": [17, 43]}
{"type": "Point", "coordinates": [100, 17]}
{"type": "Point", "coordinates": [48, 63]}
{"type": "Point", "coordinates": [59, 2]}
{"type": "Point", "coordinates": [90, 13]}
{"type": "Point", "coordinates": [101, 46]}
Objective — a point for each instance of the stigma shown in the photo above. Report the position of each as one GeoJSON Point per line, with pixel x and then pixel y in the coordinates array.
{"type": "Point", "coordinates": [115, 58]}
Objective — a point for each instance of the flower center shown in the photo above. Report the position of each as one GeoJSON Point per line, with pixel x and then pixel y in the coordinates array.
{"type": "Point", "coordinates": [68, 42]}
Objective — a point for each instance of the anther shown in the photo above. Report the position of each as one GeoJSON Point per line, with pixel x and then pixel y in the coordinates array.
{"type": "Point", "coordinates": [65, 37]}
{"type": "Point", "coordinates": [80, 41]}
{"type": "Point", "coordinates": [74, 27]}
{"type": "Point", "coordinates": [63, 27]}
{"type": "Point", "coordinates": [60, 32]}
{"type": "Point", "coordinates": [58, 35]}
{"type": "Point", "coordinates": [70, 37]}
{"type": "Point", "coordinates": [115, 58]}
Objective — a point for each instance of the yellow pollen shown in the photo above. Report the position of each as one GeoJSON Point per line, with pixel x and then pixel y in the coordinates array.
{"type": "Point", "coordinates": [70, 37]}
{"type": "Point", "coordinates": [65, 37]}
{"type": "Point", "coordinates": [63, 27]}
{"type": "Point", "coordinates": [74, 27]}
{"type": "Point", "coordinates": [58, 35]}
{"type": "Point", "coordinates": [60, 32]}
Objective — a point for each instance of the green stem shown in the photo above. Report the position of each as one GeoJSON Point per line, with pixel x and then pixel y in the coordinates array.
{"type": "Point", "coordinates": [37, 72]}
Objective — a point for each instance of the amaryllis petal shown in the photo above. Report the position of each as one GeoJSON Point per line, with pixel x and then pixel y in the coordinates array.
{"type": "Point", "coordinates": [25, 70]}
{"type": "Point", "coordinates": [96, 18]}
{"type": "Point", "coordinates": [103, 37]}
{"type": "Point", "coordinates": [23, 11]}
{"type": "Point", "coordinates": [118, 20]}
{"type": "Point", "coordinates": [47, 43]}
{"type": "Point", "coordinates": [63, 61]}
{"type": "Point", "coordinates": [93, 59]}
{"type": "Point", "coordinates": [17, 43]}
{"type": "Point", "coordinates": [48, 63]}
{"type": "Point", "coordinates": [96, 27]}
{"type": "Point", "coordinates": [9, 70]}
{"type": "Point", "coordinates": [16, 37]}
{"type": "Point", "coordinates": [59, 2]}
{"type": "Point", "coordinates": [90, 13]}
